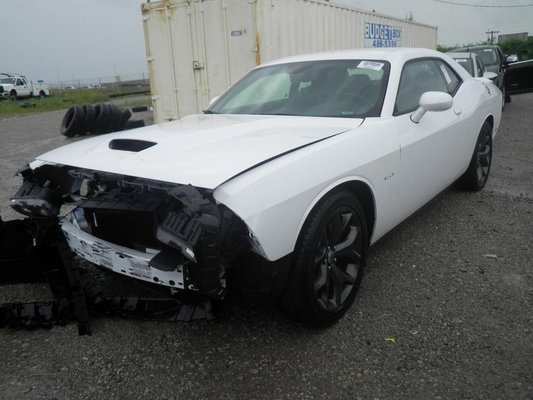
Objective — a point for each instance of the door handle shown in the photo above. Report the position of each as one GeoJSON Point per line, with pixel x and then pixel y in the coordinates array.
{"type": "Point", "coordinates": [457, 111]}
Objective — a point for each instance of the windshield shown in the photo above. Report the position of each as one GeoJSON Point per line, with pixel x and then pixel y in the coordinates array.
{"type": "Point", "coordinates": [488, 56]}
{"type": "Point", "coordinates": [332, 88]}
{"type": "Point", "coordinates": [8, 80]}
{"type": "Point", "coordinates": [466, 63]}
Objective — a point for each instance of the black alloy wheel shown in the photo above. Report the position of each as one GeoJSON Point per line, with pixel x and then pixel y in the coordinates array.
{"type": "Point", "coordinates": [328, 261]}
{"type": "Point", "coordinates": [476, 176]}
{"type": "Point", "coordinates": [483, 159]}
{"type": "Point", "coordinates": [337, 259]}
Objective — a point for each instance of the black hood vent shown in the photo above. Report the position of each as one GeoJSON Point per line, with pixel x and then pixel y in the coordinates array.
{"type": "Point", "coordinates": [134, 145]}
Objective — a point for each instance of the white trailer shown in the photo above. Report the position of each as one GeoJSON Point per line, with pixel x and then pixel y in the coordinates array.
{"type": "Point", "coordinates": [197, 48]}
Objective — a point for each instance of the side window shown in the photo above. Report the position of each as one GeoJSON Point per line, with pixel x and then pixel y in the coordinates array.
{"type": "Point", "coordinates": [422, 76]}
{"type": "Point", "coordinates": [480, 67]}
{"type": "Point", "coordinates": [452, 80]}
{"type": "Point", "coordinates": [19, 82]}
{"type": "Point", "coordinates": [501, 56]}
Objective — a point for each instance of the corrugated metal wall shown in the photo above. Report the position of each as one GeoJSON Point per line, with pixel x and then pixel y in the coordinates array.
{"type": "Point", "coordinates": [197, 48]}
{"type": "Point", "coordinates": [303, 26]}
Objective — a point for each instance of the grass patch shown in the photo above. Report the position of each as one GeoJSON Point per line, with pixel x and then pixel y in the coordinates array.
{"type": "Point", "coordinates": [61, 100]}
{"type": "Point", "coordinates": [58, 100]}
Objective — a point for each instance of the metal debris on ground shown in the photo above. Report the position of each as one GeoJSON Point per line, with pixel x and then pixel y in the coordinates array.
{"type": "Point", "coordinates": [29, 255]}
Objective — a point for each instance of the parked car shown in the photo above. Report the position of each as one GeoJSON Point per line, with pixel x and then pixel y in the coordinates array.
{"type": "Point", "coordinates": [473, 64]}
{"type": "Point", "coordinates": [18, 86]}
{"type": "Point", "coordinates": [519, 77]}
{"type": "Point", "coordinates": [494, 61]}
{"type": "Point", "coordinates": [283, 183]}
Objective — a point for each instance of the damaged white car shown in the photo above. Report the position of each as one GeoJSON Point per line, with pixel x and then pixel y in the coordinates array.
{"type": "Point", "coordinates": [281, 185]}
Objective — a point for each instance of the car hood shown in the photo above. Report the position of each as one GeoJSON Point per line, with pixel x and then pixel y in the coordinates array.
{"type": "Point", "coordinates": [201, 150]}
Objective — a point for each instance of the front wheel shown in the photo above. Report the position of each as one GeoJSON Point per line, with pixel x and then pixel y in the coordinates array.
{"type": "Point", "coordinates": [328, 261]}
{"type": "Point", "coordinates": [476, 176]}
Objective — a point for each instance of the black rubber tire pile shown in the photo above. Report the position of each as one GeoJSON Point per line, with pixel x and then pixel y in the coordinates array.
{"type": "Point", "coordinates": [96, 119]}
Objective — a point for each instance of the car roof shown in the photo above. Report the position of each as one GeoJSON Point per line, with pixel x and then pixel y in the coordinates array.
{"type": "Point", "coordinates": [454, 54]}
{"type": "Point", "coordinates": [392, 55]}
{"type": "Point", "coordinates": [469, 48]}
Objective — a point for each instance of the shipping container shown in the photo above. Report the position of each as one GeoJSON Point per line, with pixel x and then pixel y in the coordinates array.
{"type": "Point", "coordinates": [197, 48]}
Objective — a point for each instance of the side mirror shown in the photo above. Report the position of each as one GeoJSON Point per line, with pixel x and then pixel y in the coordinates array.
{"type": "Point", "coordinates": [432, 101]}
{"type": "Point", "coordinates": [490, 75]}
{"type": "Point", "coordinates": [512, 58]}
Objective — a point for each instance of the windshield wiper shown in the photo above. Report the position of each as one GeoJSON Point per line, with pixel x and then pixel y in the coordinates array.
{"type": "Point", "coordinates": [210, 112]}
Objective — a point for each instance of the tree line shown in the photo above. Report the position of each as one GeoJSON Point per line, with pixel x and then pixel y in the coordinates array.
{"type": "Point", "coordinates": [523, 48]}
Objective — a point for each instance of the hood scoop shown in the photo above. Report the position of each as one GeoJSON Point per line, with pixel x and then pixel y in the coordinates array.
{"type": "Point", "coordinates": [133, 145]}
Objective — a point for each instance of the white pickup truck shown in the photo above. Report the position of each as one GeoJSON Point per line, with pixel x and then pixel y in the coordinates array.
{"type": "Point", "coordinates": [16, 86]}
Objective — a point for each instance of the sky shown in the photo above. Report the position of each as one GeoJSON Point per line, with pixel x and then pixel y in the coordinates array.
{"type": "Point", "coordinates": [66, 40]}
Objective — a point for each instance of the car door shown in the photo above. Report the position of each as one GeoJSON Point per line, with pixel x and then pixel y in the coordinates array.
{"type": "Point", "coordinates": [519, 77]}
{"type": "Point", "coordinates": [23, 89]}
{"type": "Point", "coordinates": [429, 160]}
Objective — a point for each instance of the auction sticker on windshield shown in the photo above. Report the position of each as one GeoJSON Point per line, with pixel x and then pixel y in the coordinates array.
{"type": "Point", "coordinates": [375, 65]}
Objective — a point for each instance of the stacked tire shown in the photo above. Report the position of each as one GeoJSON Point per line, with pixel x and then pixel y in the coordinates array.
{"type": "Point", "coordinates": [96, 119]}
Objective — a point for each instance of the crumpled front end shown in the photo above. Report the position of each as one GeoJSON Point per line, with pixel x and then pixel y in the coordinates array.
{"type": "Point", "coordinates": [167, 234]}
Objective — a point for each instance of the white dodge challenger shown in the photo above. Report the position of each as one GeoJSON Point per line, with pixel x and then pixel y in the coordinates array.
{"type": "Point", "coordinates": [281, 185]}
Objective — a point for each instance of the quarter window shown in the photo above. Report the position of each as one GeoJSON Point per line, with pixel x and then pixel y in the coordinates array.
{"type": "Point", "coordinates": [422, 76]}
{"type": "Point", "coordinates": [480, 67]}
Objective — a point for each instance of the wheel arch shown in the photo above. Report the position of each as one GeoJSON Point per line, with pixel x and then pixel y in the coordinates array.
{"type": "Point", "coordinates": [361, 188]}
{"type": "Point", "coordinates": [490, 120]}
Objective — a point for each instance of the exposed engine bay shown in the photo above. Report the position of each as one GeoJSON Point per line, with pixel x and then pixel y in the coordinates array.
{"type": "Point", "coordinates": [175, 236]}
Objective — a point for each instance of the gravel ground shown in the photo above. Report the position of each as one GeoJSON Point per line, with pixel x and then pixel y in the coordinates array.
{"type": "Point", "coordinates": [445, 311]}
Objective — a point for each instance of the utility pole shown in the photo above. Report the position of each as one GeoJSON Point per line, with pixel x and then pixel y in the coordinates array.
{"type": "Point", "coordinates": [491, 35]}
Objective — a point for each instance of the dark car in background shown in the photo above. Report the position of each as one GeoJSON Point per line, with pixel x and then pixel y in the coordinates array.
{"type": "Point", "coordinates": [495, 61]}
{"type": "Point", "coordinates": [519, 77]}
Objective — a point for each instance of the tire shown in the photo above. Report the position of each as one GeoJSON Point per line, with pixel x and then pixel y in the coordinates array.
{"type": "Point", "coordinates": [114, 119]}
{"type": "Point", "coordinates": [476, 176]}
{"type": "Point", "coordinates": [136, 109]}
{"type": "Point", "coordinates": [328, 261]}
{"type": "Point", "coordinates": [72, 123]}
{"type": "Point", "coordinates": [89, 118]}
{"type": "Point", "coordinates": [125, 115]}
{"type": "Point", "coordinates": [102, 124]}
{"type": "Point", "coordinates": [13, 95]}
{"type": "Point", "coordinates": [133, 124]}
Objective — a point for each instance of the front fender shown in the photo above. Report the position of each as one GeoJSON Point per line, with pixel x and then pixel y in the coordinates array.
{"type": "Point", "coordinates": [275, 198]}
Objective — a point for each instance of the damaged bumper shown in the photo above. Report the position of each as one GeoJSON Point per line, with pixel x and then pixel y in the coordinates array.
{"type": "Point", "coordinates": [120, 259]}
{"type": "Point", "coordinates": [171, 235]}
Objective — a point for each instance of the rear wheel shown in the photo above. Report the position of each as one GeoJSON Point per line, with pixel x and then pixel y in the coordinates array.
{"type": "Point", "coordinates": [328, 261]}
{"type": "Point", "coordinates": [476, 176]}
